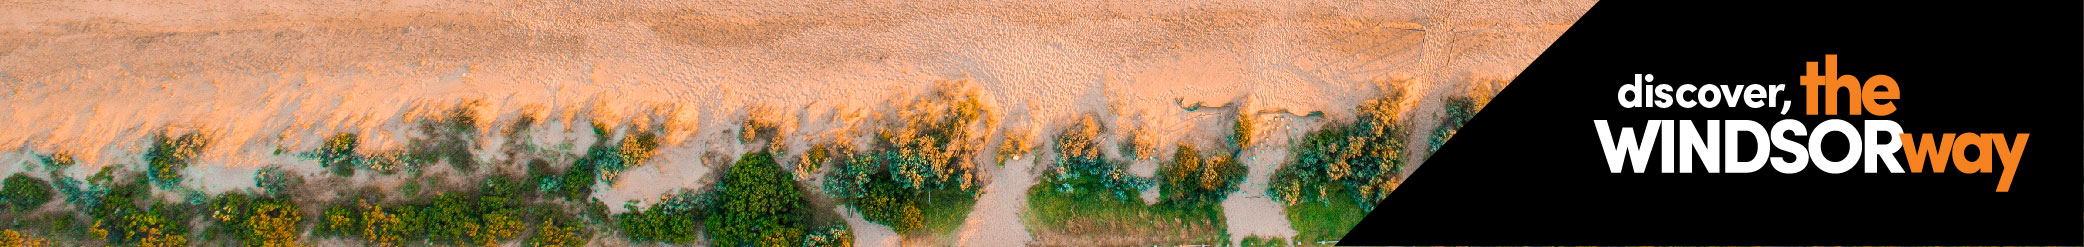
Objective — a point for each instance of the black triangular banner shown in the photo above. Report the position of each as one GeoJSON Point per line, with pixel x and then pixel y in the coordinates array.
{"type": "Point", "coordinates": [1530, 168]}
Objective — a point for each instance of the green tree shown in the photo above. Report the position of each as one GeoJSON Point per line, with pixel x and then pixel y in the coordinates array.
{"type": "Point", "coordinates": [23, 193]}
{"type": "Point", "coordinates": [757, 205]}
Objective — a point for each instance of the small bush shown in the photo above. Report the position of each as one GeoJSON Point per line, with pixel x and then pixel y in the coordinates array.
{"type": "Point", "coordinates": [275, 181]}
{"type": "Point", "coordinates": [1015, 145]}
{"type": "Point", "coordinates": [57, 163]}
{"type": "Point", "coordinates": [1140, 146]}
{"type": "Point", "coordinates": [24, 193]}
{"type": "Point", "coordinates": [1241, 131]}
{"type": "Point", "coordinates": [169, 155]}
{"type": "Point", "coordinates": [338, 154]}
{"type": "Point", "coordinates": [1190, 178]}
{"type": "Point", "coordinates": [807, 165]}
{"type": "Point", "coordinates": [762, 123]}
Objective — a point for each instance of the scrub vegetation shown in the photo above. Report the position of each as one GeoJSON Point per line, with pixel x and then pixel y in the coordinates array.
{"type": "Point", "coordinates": [915, 170]}
{"type": "Point", "coordinates": [1085, 197]}
{"type": "Point", "coordinates": [918, 174]}
{"type": "Point", "coordinates": [1340, 171]}
{"type": "Point", "coordinates": [446, 137]}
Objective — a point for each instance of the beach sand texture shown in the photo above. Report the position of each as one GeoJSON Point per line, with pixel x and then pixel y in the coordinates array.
{"type": "Point", "coordinates": [98, 79]}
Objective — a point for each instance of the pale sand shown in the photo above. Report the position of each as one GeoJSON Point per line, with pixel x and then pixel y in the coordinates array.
{"type": "Point", "coordinates": [996, 221]}
{"type": "Point", "coordinates": [97, 78]}
{"type": "Point", "coordinates": [1250, 211]}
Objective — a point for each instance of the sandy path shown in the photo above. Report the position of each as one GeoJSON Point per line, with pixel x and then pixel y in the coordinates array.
{"type": "Point", "coordinates": [1250, 211]}
{"type": "Point", "coordinates": [996, 219]}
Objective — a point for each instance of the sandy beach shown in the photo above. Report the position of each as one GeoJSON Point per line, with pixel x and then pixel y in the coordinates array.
{"type": "Point", "coordinates": [98, 79]}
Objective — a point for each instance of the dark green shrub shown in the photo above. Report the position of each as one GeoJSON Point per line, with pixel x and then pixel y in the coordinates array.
{"type": "Point", "coordinates": [24, 193]}
{"type": "Point", "coordinates": [757, 205]}
{"type": "Point", "coordinates": [675, 219]}
{"type": "Point", "coordinates": [577, 181]}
